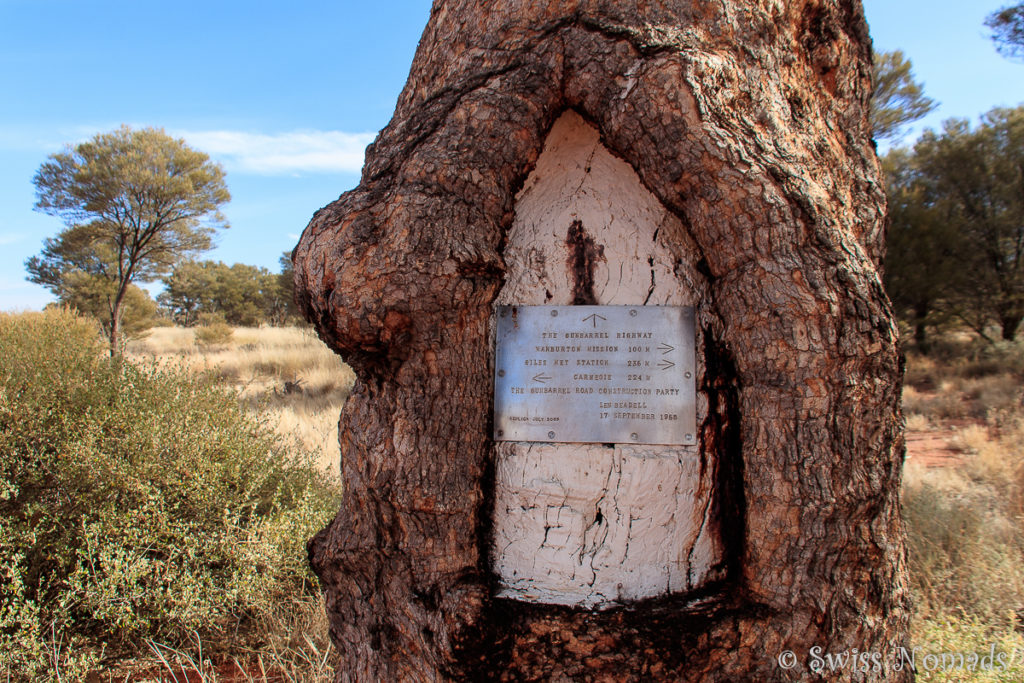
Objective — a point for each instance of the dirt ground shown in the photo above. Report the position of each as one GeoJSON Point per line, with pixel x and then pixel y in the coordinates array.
{"type": "Point", "coordinates": [934, 448]}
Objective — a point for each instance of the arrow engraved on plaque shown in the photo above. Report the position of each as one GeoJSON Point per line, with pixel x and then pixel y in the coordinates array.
{"type": "Point", "coordinates": [598, 381]}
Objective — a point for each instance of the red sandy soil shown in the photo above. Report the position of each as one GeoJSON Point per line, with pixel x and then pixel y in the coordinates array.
{"type": "Point", "coordinates": [933, 448]}
{"type": "Point", "coordinates": [226, 672]}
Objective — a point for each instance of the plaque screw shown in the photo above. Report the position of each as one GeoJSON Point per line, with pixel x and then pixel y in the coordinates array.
{"type": "Point", "coordinates": [501, 373]}
{"type": "Point", "coordinates": [501, 432]}
{"type": "Point", "coordinates": [689, 375]}
{"type": "Point", "coordinates": [634, 436]}
{"type": "Point", "coordinates": [632, 314]}
{"type": "Point", "coordinates": [551, 435]}
{"type": "Point", "coordinates": [554, 313]}
{"type": "Point", "coordinates": [689, 437]}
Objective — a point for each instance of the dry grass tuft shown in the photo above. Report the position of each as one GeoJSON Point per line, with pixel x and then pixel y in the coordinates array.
{"type": "Point", "coordinates": [965, 538]}
{"type": "Point", "coordinates": [918, 423]}
{"type": "Point", "coordinates": [297, 650]}
{"type": "Point", "coordinates": [285, 372]}
{"type": "Point", "coordinates": [984, 389]}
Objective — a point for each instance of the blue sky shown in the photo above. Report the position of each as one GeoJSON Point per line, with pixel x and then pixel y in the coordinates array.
{"type": "Point", "coordinates": [287, 95]}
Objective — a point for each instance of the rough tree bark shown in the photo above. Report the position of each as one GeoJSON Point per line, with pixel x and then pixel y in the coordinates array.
{"type": "Point", "coordinates": [747, 122]}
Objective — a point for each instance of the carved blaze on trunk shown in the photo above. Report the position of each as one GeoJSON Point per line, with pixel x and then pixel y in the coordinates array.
{"type": "Point", "coordinates": [597, 524]}
{"type": "Point", "coordinates": [759, 203]}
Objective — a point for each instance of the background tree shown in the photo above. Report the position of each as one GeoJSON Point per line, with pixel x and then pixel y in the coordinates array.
{"type": "Point", "coordinates": [923, 249]}
{"type": "Point", "coordinates": [974, 179]}
{"type": "Point", "coordinates": [286, 289]}
{"type": "Point", "coordinates": [237, 294]}
{"type": "Point", "coordinates": [187, 291]}
{"type": "Point", "coordinates": [240, 294]}
{"type": "Point", "coordinates": [1007, 26]}
{"type": "Point", "coordinates": [92, 296]}
{"type": "Point", "coordinates": [897, 98]}
{"type": "Point", "coordinates": [135, 202]}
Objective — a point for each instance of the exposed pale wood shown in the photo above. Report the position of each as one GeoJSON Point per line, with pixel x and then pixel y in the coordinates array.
{"type": "Point", "coordinates": [597, 525]}
{"type": "Point", "coordinates": [746, 121]}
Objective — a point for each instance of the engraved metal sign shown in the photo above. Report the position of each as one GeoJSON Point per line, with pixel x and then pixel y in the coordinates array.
{"type": "Point", "coordinates": [595, 374]}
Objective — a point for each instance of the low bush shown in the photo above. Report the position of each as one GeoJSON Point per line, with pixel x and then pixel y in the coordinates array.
{"type": "Point", "coordinates": [213, 331]}
{"type": "Point", "coordinates": [136, 504]}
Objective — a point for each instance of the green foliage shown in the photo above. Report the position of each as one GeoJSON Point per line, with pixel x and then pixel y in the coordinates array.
{"type": "Point", "coordinates": [922, 249]}
{"type": "Point", "coordinates": [286, 287]}
{"type": "Point", "coordinates": [1007, 25]}
{"type": "Point", "coordinates": [94, 297]}
{"type": "Point", "coordinates": [135, 202]}
{"type": "Point", "coordinates": [135, 503]}
{"type": "Point", "coordinates": [974, 178]}
{"type": "Point", "coordinates": [79, 249]}
{"type": "Point", "coordinates": [243, 295]}
{"type": "Point", "coordinates": [213, 330]}
{"type": "Point", "coordinates": [957, 197]}
{"type": "Point", "coordinates": [1000, 653]}
{"type": "Point", "coordinates": [897, 98]}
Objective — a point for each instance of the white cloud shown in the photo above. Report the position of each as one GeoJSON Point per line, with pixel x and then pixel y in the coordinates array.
{"type": "Point", "coordinates": [289, 153]}
{"type": "Point", "coordinates": [21, 137]}
{"type": "Point", "coordinates": [301, 151]}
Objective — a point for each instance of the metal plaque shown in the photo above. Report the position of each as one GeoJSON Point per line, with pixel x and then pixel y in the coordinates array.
{"type": "Point", "coordinates": [595, 374]}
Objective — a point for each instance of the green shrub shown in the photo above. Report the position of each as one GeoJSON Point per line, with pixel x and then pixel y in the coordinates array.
{"type": "Point", "coordinates": [135, 504]}
{"type": "Point", "coordinates": [213, 330]}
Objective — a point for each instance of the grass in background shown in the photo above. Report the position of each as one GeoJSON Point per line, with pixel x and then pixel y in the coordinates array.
{"type": "Point", "coordinates": [285, 373]}
{"type": "Point", "coordinates": [964, 522]}
{"type": "Point", "coordinates": [965, 381]}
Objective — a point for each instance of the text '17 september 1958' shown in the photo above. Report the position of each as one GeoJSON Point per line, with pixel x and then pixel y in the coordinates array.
{"type": "Point", "coordinates": [595, 374]}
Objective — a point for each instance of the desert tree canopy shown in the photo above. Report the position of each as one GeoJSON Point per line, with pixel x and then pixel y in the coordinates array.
{"type": "Point", "coordinates": [897, 98]}
{"type": "Point", "coordinates": [135, 202]}
{"type": "Point", "coordinates": [1007, 25]}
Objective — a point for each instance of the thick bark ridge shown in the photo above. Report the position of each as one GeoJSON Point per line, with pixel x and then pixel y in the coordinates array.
{"type": "Point", "coordinates": [747, 121]}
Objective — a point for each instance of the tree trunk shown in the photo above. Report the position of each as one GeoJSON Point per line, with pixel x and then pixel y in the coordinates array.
{"type": "Point", "coordinates": [729, 146]}
{"type": "Point", "coordinates": [1008, 324]}
{"type": "Point", "coordinates": [920, 327]}
{"type": "Point", "coordinates": [115, 323]}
